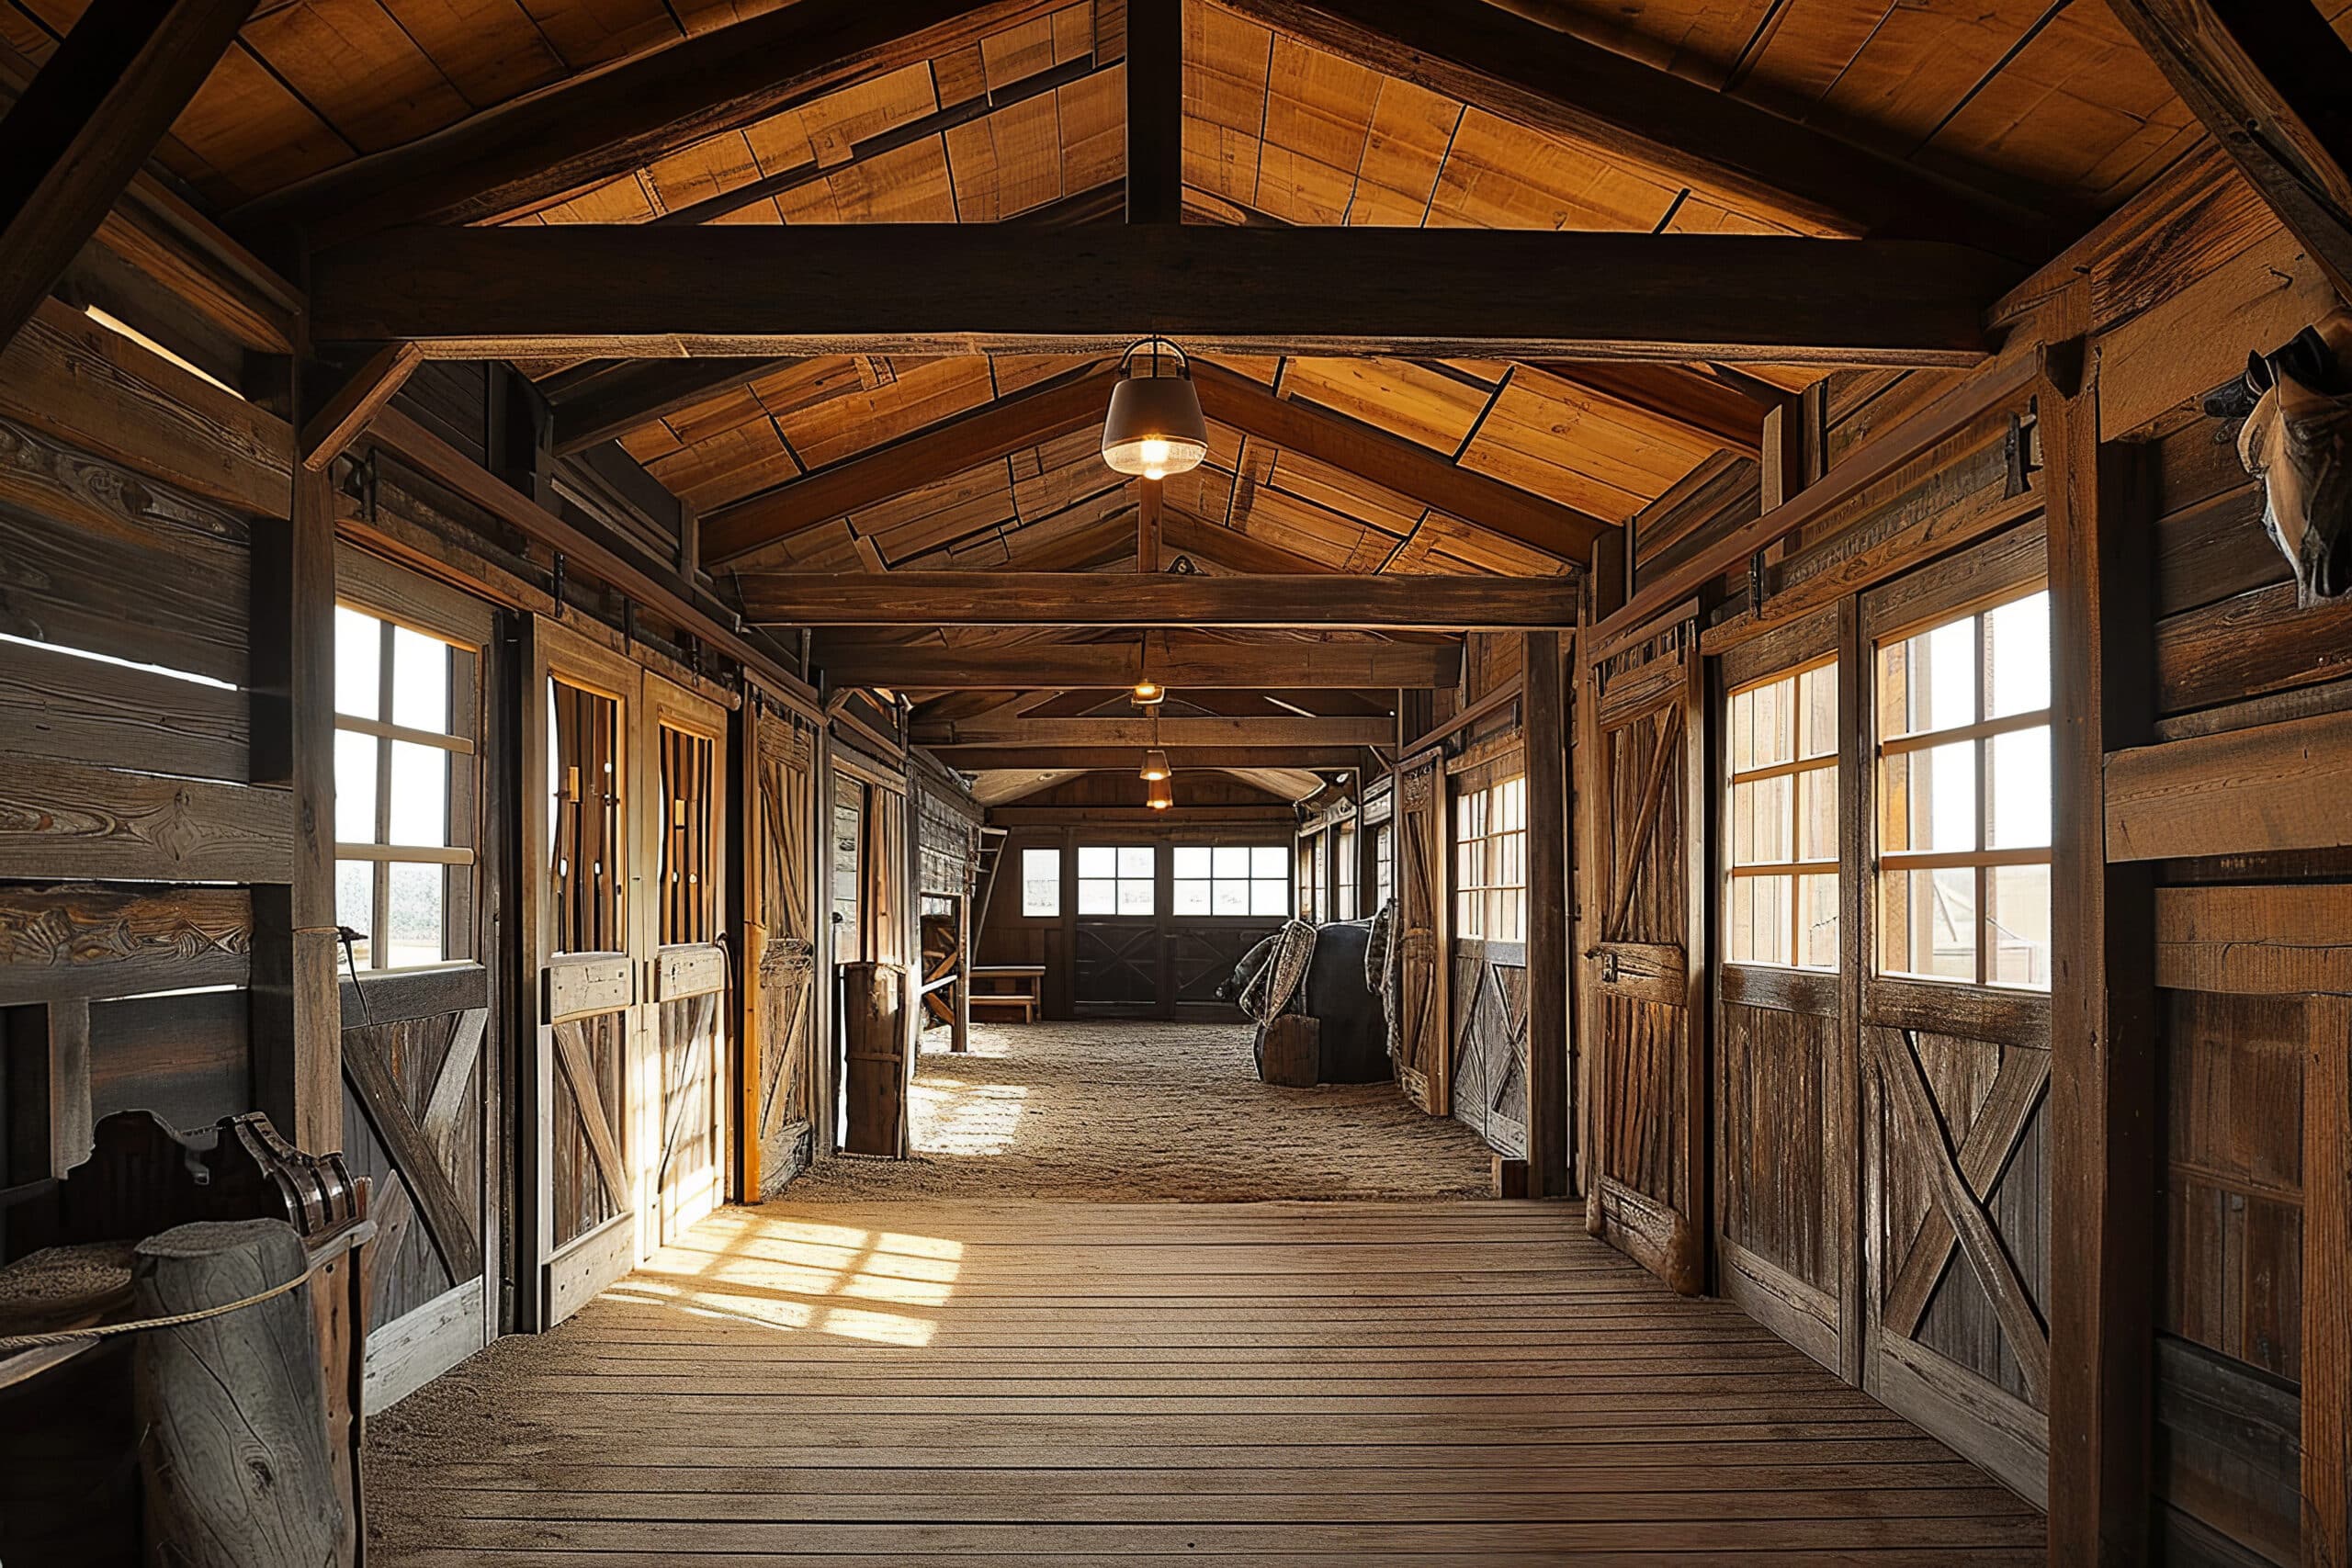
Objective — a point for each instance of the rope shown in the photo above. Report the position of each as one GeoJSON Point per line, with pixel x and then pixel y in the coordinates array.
{"type": "Point", "coordinates": [107, 1330]}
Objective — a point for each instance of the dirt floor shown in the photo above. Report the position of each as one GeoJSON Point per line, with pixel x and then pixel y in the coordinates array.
{"type": "Point", "coordinates": [1115, 1110]}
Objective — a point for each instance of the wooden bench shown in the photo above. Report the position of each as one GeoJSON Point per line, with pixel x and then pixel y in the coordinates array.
{"type": "Point", "coordinates": [1014, 986]}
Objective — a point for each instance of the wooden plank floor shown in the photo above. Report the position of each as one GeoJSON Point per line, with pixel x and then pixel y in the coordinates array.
{"type": "Point", "coordinates": [1283, 1383]}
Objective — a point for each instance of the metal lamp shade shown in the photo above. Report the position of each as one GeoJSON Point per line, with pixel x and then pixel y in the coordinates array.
{"type": "Point", "coordinates": [1155, 427]}
{"type": "Point", "coordinates": [1161, 797]}
{"type": "Point", "coordinates": [1155, 765]}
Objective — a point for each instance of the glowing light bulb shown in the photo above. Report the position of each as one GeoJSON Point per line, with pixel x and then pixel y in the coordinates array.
{"type": "Point", "coordinates": [1154, 452]}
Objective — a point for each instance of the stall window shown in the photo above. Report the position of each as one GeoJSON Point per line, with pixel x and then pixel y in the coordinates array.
{"type": "Point", "coordinates": [405, 785]}
{"type": "Point", "coordinates": [1310, 878]}
{"type": "Point", "coordinates": [1233, 879]}
{"type": "Point", "coordinates": [1383, 869]}
{"type": "Point", "coordinates": [1963, 782]}
{"type": "Point", "coordinates": [1490, 862]}
{"type": "Point", "coordinates": [1041, 882]}
{"type": "Point", "coordinates": [1117, 879]}
{"type": "Point", "coordinates": [1780, 819]}
{"type": "Point", "coordinates": [1343, 875]}
{"type": "Point", "coordinates": [849, 869]}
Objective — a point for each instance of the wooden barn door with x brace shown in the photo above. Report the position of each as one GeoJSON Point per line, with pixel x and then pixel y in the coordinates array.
{"type": "Point", "coordinates": [1644, 963]}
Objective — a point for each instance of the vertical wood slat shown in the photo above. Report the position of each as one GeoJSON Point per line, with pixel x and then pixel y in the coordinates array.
{"type": "Point", "coordinates": [2327, 1283]}
{"type": "Point", "coordinates": [1544, 721]}
{"type": "Point", "coordinates": [2104, 1214]}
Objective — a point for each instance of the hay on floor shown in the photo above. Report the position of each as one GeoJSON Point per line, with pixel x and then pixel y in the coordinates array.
{"type": "Point", "coordinates": [1113, 1110]}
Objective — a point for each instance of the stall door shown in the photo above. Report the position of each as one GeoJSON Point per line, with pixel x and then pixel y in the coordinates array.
{"type": "Point", "coordinates": [1418, 937]}
{"type": "Point", "coordinates": [580, 865]}
{"type": "Point", "coordinates": [877, 1055]}
{"type": "Point", "coordinates": [416, 877]}
{"type": "Point", "coordinates": [779, 948]}
{"type": "Point", "coordinates": [1645, 969]}
{"type": "Point", "coordinates": [687, 797]}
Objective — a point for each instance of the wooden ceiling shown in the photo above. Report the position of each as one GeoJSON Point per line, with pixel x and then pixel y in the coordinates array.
{"type": "Point", "coordinates": [2046, 104]}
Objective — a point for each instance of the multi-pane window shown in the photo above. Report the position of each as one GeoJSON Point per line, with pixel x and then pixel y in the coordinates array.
{"type": "Point", "coordinates": [1782, 820]}
{"type": "Point", "coordinates": [1041, 882]}
{"type": "Point", "coordinates": [1343, 873]}
{"type": "Point", "coordinates": [1117, 879]}
{"type": "Point", "coordinates": [1490, 862]}
{"type": "Point", "coordinates": [405, 785]}
{"type": "Point", "coordinates": [1310, 878]}
{"type": "Point", "coordinates": [1963, 788]}
{"type": "Point", "coordinates": [1232, 879]}
{"type": "Point", "coordinates": [849, 869]}
{"type": "Point", "coordinates": [1382, 873]}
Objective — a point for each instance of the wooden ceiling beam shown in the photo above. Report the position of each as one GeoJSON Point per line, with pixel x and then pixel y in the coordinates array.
{"type": "Point", "coordinates": [1126, 731]}
{"type": "Point", "coordinates": [594, 126]}
{"type": "Point", "coordinates": [1027, 418]}
{"type": "Point", "coordinates": [982, 759]}
{"type": "Point", "coordinates": [1395, 464]}
{"type": "Point", "coordinates": [633, 291]}
{"type": "Point", "coordinates": [1331, 601]}
{"type": "Point", "coordinates": [72, 142]}
{"type": "Point", "coordinates": [2269, 82]}
{"type": "Point", "coordinates": [1557, 83]}
{"type": "Point", "coordinates": [1233, 550]}
{"type": "Point", "coordinates": [1155, 117]}
{"type": "Point", "coordinates": [1178, 660]}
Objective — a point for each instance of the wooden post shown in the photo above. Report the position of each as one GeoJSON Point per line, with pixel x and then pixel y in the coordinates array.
{"type": "Point", "coordinates": [2327, 1283]}
{"type": "Point", "coordinates": [1147, 499]}
{"type": "Point", "coordinates": [2104, 1213]}
{"type": "Point", "coordinates": [960, 1017]}
{"type": "Point", "coordinates": [1545, 726]}
{"type": "Point", "coordinates": [267, 1496]}
{"type": "Point", "coordinates": [296, 1006]}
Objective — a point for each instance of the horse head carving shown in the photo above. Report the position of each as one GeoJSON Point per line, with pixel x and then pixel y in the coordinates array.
{"type": "Point", "coordinates": [2298, 442]}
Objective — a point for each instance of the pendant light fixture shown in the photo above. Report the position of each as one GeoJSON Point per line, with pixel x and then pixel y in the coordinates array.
{"type": "Point", "coordinates": [1155, 761]}
{"type": "Point", "coordinates": [1159, 797]}
{"type": "Point", "coordinates": [1148, 693]}
{"type": "Point", "coordinates": [1155, 427]}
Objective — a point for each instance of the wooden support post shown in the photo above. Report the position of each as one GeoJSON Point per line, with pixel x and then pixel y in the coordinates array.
{"type": "Point", "coordinates": [296, 1006]}
{"type": "Point", "coordinates": [1155, 112]}
{"type": "Point", "coordinates": [2327, 1283]}
{"type": "Point", "coordinates": [1545, 726]}
{"type": "Point", "coordinates": [960, 1017]}
{"type": "Point", "coordinates": [77, 137]}
{"type": "Point", "coordinates": [270, 1496]}
{"type": "Point", "coordinates": [1148, 498]}
{"type": "Point", "coordinates": [346, 413]}
{"type": "Point", "coordinates": [2104, 1211]}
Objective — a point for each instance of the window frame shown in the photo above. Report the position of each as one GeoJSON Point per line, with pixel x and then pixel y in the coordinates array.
{"type": "Point", "coordinates": [1485, 887]}
{"type": "Point", "coordinates": [399, 602]}
{"type": "Point", "coordinates": [1921, 618]}
{"type": "Point", "coordinates": [1250, 847]}
{"type": "Point", "coordinates": [1794, 870]}
{"type": "Point", "coordinates": [1118, 879]}
{"type": "Point", "coordinates": [1346, 845]}
{"type": "Point", "coordinates": [1020, 881]}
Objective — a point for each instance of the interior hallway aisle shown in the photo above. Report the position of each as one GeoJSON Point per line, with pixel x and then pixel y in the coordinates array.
{"type": "Point", "coordinates": [1111, 1109]}
{"type": "Point", "coordinates": [1293, 1385]}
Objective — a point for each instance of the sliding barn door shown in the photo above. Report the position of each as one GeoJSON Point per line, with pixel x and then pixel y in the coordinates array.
{"type": "Point", "coordinates": [580, 949]}
{"type": "Point", "coordinates": [779, 947]}
{"type": "Point", "coordinates": [685, 793]}
{"type": "Point", "coordinates": [1418, 933]}
{"type": "Point", "coordinates": [1644, 968]}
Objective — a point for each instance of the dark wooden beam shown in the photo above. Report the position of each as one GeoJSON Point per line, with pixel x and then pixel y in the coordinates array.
{"type": "Point", "coordinates": [1036, 414]}
{"type": "Point", "coordinates": [635, 393]}
{"type": "Point", "coordinates": [346, 413]}
{"type": "Point", "coordinates": [1186, 732]}
{"type": "Point", "coordinates": [1544, 723]}
{"type": "Point", "coordinates": [982, 758]}
{"type": "Point", "coordinates": [1177, 660]}
{"type": "Point", "coordinates": [546, 145]}
{"type": "Point", "coordinates": [2107, 1169]}
{"type": "Point", "coordinates": [1233, 550]}
{"type": "Point", "coordinates": [1706, 405]}
{"type": "Point", "coordinates": [1556, 82]}
{"type": "Point", "coordinates": [1155, 119]}
{"type": "Point", "coordinates": [2268, 79]}
{"type": "Point", "coordinates": [1393, 463]}
{"type": "Point", "coordinates": [1149, 493]}
{"type": "Point", "coordinates": [71, 145]}
{"type": "Point", "coordinates": [1085, 599]}
{"type": "Point", "coordinates": [623, 291]}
